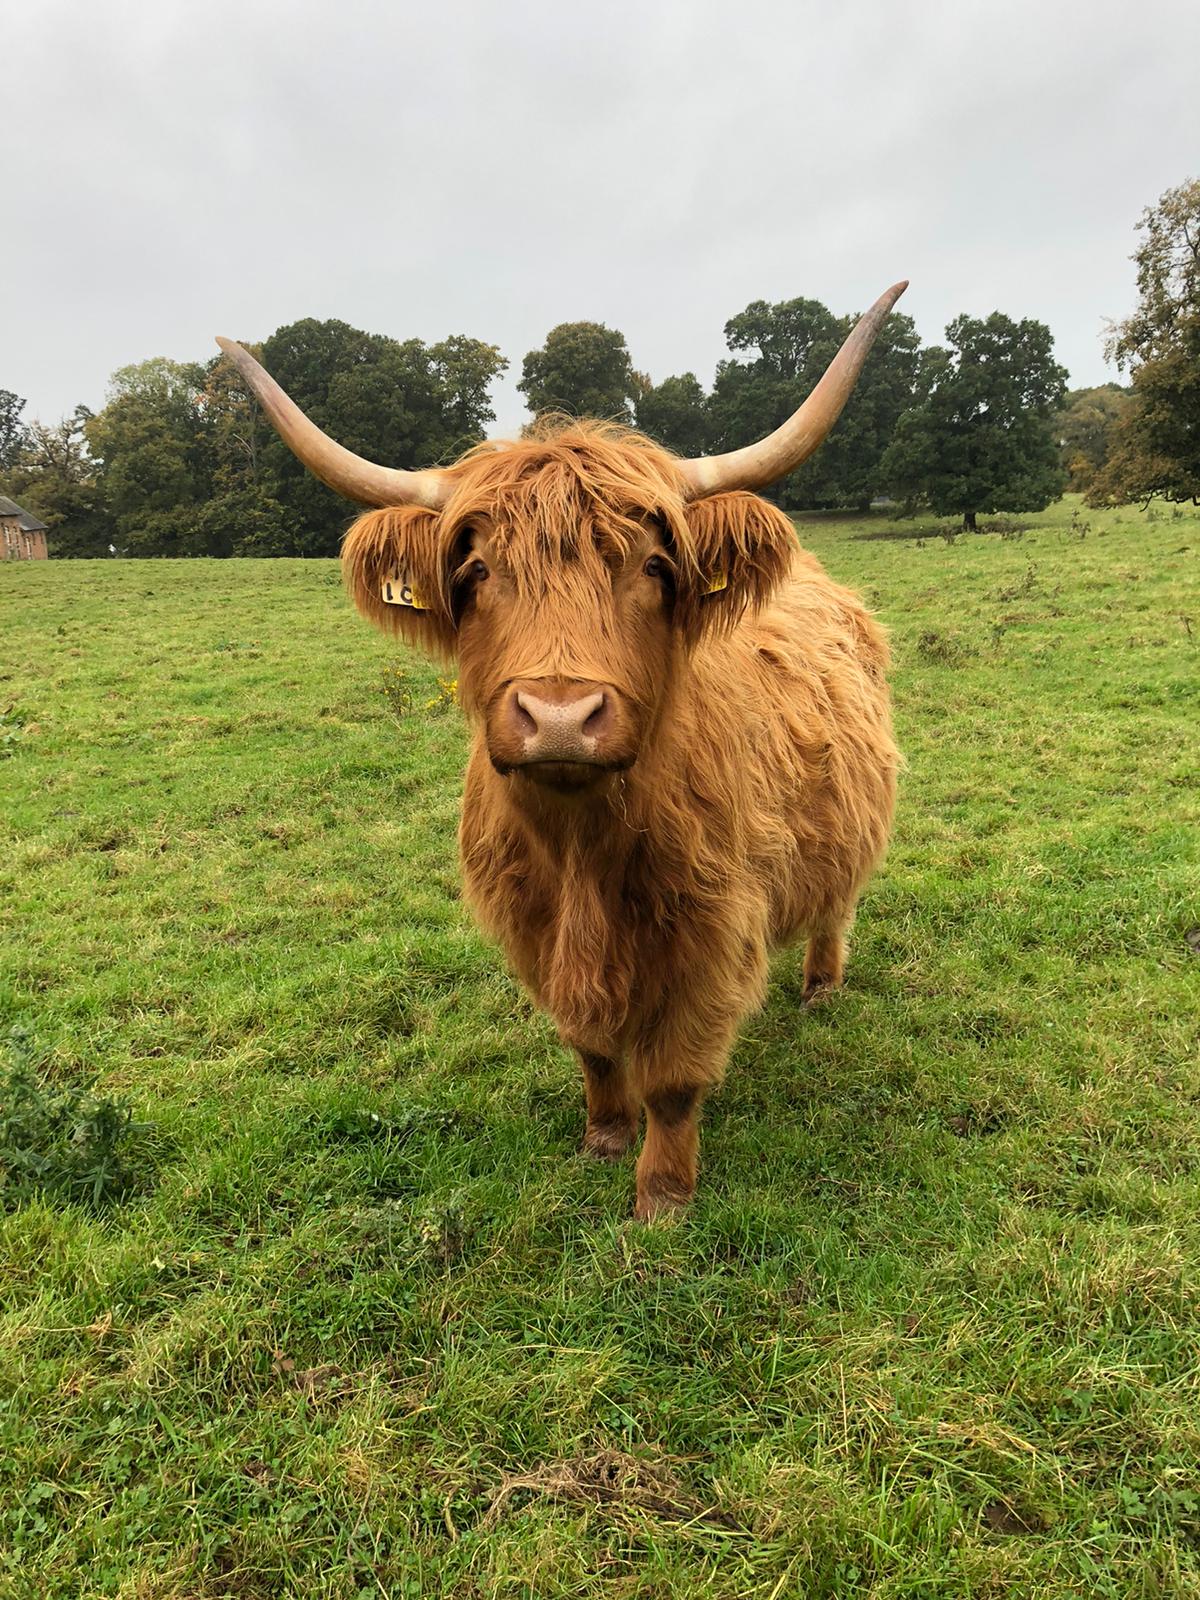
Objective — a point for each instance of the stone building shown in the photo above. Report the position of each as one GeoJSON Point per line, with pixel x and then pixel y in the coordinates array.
{"type": "Point", "coordinates": [22, 536]}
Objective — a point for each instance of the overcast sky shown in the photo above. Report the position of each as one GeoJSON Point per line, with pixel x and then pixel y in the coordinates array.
{"type": "Point", "coordinates": [173, 170]}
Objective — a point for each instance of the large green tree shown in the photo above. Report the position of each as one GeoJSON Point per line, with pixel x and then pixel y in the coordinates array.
{"type": "Point", "coordinates": [150, 443]}
{"type": "Point", "coordinates": [181, 453]}
{"type": "Point", "coordinates": [983, 438]}
{"type": "Point", "coordinates": [463, 371]}
{"type": "Point", "coordinates": [781, 350]}
{"type": "Point", "coordinates": [1155, 447]}
{"type": "Point", "coordinates": [583, 369]}
{"type": "Point", "coordinates": [190, 466]}
{"type": "Point", "coordinates": [405, 404]}
{"type": "Point", "coordinates": [675, 412]}
{"type": "Point", "coordinates": [305, 357]}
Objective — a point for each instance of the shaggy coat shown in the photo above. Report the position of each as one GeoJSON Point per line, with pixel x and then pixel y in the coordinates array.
{"type": "Point", "coordinates": [742, 784]}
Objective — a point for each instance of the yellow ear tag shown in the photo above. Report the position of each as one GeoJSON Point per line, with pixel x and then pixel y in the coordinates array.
{"type": "Point", "coordinates": [397, 591]}
{"type": "Point", "coordinates": [715, 585]}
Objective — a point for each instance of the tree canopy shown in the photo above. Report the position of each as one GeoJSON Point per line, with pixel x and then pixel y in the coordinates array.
{"type": "Point", "coordinates": [583, 369]}
{"type": "Point", "coordinates": [1155, 445]}
{"type": "Point", "coordinates": [788, 347]}
{"type": "Point", "coordinates": [405, 404]}
{"type": "Point", "coordinates": [13, 433]}
{"type": "Point", "coordinates": [675, 412]}
{"type": "Point", "coordinates": [180, 460]}
{"type": "Point", "coordinates": [55, 478]}
{"type": "Point", "coordinates": [148, 444]}
{"type": "Point", "coordinates": [983, 438]}
{"type": "Point", "coordinates": [1085, 428]}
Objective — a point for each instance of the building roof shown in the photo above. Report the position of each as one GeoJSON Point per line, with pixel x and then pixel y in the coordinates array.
{"type": "Point", "coordinates": [29, 523]}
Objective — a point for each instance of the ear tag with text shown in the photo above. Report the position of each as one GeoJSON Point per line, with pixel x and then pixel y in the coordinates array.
{"type": "Point", "coordinates": [397, 591]}
{"type": "Point", "coordinates": [717, 583]}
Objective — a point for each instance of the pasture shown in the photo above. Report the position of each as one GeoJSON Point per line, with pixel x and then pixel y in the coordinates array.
{"type": "Point", "coordinates": [358, 1320]}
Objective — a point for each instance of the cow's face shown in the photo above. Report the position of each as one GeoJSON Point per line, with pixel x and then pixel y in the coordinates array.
{"type": "Point", "coordinates": [570, 611]}
{"type": "Point", "coordinates": [568, 663]}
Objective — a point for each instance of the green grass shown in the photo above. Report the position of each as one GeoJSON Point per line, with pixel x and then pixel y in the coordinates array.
{"type": "Point", "coordinates": [933, 1326]}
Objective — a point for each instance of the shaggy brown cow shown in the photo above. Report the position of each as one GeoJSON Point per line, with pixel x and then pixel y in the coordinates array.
{"type": "Point", "coordinates": [682, 750]}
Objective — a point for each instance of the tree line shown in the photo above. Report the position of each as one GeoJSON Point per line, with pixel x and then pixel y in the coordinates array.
{"type": "Point", "coordinates": [181, 462]}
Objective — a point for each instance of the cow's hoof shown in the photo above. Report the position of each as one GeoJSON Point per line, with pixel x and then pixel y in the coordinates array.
{"type": "Point", "coordinates": [608, 1141]}
{"type": "Point", "coordinates": [661, 1205]}
{"type": "Point", "coordinates": [817, 993]}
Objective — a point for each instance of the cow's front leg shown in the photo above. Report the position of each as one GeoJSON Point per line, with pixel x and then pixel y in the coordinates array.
{"type": "Point", "coordinates": [612, 1109]}
{"type": "Point", "coordinates": [666, 1169]}
{"type": "Point", "coordinates": [674, 1069]}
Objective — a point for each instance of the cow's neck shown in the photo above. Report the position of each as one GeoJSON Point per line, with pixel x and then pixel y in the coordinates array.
{"type": "Point", "coordinates": [628, 824]}
{"type": "Point", "coordinates": [585, 832]}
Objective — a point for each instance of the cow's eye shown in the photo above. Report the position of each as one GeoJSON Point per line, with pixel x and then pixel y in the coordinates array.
{"type": "Point", "coordinates": [477, 570]}
{"type": "Point", "coordinates": [656, 567]}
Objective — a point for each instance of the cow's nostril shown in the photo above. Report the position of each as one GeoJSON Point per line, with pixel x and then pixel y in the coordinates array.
{"type": "Point", "coordinates": [553, 729]}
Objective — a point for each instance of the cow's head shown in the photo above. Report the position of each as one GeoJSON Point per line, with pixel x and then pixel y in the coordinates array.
{"type": "Point", "coordinates": [566, 572]}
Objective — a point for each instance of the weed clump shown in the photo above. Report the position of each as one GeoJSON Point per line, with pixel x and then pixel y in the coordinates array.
{"type": "Point", "coordinates": [396, 690]}
{"type": "Point", "coordinates": [944, 649]}
{"type": "Point", "coordinates": [65, 1142]}
{"type": "Point", "coordinates": [403, 692]}
{"type": "Point", "coordinates": [13, 723]}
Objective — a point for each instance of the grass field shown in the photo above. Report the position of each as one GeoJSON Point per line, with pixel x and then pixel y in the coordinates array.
{"type": "Point", "coordinates": [363, 1323]}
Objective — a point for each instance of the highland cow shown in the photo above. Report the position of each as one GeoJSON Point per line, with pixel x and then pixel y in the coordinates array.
{"type": "Point", "coordinates": [682, 752]}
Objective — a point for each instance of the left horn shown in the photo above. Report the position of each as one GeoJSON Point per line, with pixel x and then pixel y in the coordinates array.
{"type": "Point", "coordinates": [781, 452]}
{"type": "Point", "coordinates": [353, 476]}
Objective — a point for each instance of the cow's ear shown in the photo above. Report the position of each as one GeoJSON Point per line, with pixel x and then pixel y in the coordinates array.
{"type": "Point", "coordinates": [392, 562]}
{"type": "Point", "coordinates": [741, 548]}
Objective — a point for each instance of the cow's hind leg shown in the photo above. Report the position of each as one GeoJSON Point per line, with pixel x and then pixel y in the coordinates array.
{"type": "Point", "coordinates": [612, 1110]}
{"type": "Point", "coordinates": [824, 962]}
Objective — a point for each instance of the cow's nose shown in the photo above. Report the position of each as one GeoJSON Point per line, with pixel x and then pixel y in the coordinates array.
{"type": "Point", "coordinates": [561, 730]}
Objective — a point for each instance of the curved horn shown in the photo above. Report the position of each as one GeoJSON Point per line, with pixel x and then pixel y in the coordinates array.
{"type": "Point", "coordinates": [782, 452]}
{"type": "Point", "coordinates": [353, 476]}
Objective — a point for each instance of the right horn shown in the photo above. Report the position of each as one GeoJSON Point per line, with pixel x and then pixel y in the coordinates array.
{"type": "Point", "coordinates": [353, 476]}
{"type": "Point", "coordinates": [781, 452]}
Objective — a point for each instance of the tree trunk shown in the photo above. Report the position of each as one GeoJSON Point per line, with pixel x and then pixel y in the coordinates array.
{"type": "Point", "coordinates": [969, 522]}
